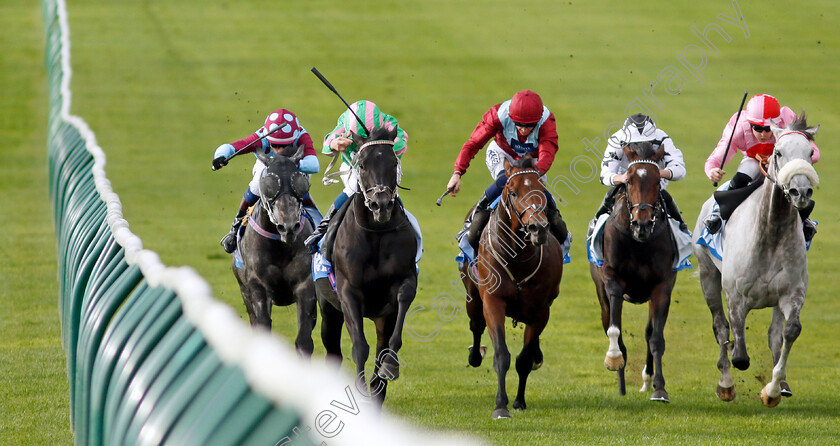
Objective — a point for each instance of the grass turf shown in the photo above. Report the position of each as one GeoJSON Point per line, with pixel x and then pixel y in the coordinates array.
{"type": "Point", "coordinates": [162, 84]}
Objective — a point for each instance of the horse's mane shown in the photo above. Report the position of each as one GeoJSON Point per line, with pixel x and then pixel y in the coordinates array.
{"type": "Point", "coordinates": [643, 150]}
{"type": "Point", "coordinates": [383, 133]}
{"type": "Point", "coordinates": [525, 163]}
{"type": "Point", "coordinates": [800, 124]}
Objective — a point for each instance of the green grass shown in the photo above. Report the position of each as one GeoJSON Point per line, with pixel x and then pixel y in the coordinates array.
{"type": "Point", "coordinates": [162, 84]}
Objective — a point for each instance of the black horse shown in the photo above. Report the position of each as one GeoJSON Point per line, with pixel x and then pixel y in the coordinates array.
{"type": "Point", "coordinates": [277, 267]}
{"type": "Point", "coordinates": [374, 263]}
{"type": "Point", "coordinates": [638, 265]}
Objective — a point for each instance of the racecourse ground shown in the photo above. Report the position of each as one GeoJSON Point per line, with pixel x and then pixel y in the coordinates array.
{"type": "Point", "coordinates": [162, 84]}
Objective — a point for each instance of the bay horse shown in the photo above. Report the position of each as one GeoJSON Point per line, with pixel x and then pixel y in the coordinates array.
{"type": "Point", "coordinates": [276, 266]}
{"type": "Point", "coordinates": [517, 274]}
{"type": "Point", "coordinates": [638, 266]}
{"type": "Point", "coordinates": [764, 261]}
{"type": "Point", "coordinates": [373, 260]}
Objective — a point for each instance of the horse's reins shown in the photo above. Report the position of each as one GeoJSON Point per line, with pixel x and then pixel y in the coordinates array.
{"type": "Point", "coordinates": [533, 208]}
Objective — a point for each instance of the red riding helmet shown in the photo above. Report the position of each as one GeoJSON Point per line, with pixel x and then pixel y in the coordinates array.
{"type": "Point", "coordinates": [526, 107]}
{"type": "Point", "coordinates": [763, 109]}
{"type": "Point", "coordinates": [288, 124]}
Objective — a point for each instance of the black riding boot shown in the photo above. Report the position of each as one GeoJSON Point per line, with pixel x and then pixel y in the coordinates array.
{"type": "Point", "coordinates": [672, 209]}
{"type": "Point", "coordinates": [808, 226]}
{"type": "Point", "coordinates": [607, 203]}
{"type": "Point", "coordinates": [714, 221]}
{"type": "Point", "coordinates": [229, 241]}
{"type": "Point", "coordinates": [313, 239]}
{"type": "Point", "coordinates": [555, 220]}
{"type": "Point", "coordinates": [476, 222]}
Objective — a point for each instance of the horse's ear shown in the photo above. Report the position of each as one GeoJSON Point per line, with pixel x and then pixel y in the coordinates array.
{"type": "Point", "coordinates": [629, 155]}
{"type": "Point", "coordinates": [812, 130]}
{"type": "Point", "coordinates": [508, 168]}
{"type": "Point", "coordinates": [298, 154]}
{"type": "Point", "coordinates": [264, 158]}
{"type": "Point", "coordinates": [356, 138]}
{"type": "Point", "coordinates": [660, 153]}
{"type": "Point", "coordinates": [777, 131]}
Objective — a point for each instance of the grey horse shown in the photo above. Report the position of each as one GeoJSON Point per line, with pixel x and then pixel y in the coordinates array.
{"type": "Point", "coordinates": [764, 261]}
{"type": "Point", "coordinates": [276, 266]}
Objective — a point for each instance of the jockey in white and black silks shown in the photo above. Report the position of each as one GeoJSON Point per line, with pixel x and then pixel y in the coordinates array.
{"type": "Point", "coordinates": [517, 127]}
{"type": "Point", "coordinates": [290, 133]}
{"type": "Point", "coordinates": [640, 128]}
{"type": "Point", "coordinates": [752, 137]}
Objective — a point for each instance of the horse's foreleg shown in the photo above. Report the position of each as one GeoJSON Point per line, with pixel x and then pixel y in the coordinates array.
{"type": "Point", "coordinates": [306, 317]}
{"type": "Point", "coordinates": [354, 319]}
{"type": "Point", "coordinates": [710, 282]}
{"type": "Point", "coordinates": [405, 295]}
{"type": "Point", "coordinates": [494, 315]}
{"type": "Point", "coordinates": [477, 325]}
{"type": "Point", "coordinates": [774, 340]}
{"type": "Point", "coordinates": [737, 320]}
{"type": "Point", "coordinates": [260, 307]}
{"type": "Point", "coordinates": [379, 381]}
{"type": "Point", "coordinates": [771, 393]}
{"type": "Point", "coordinates": [658, 313]}
{"type": "Point", "coordinates": [331, 323]}
{"type": "Point", "coordinates": [530, 358]}
{"type": "Point", "coordinates": [617, 352]}
{"type": "Point", "coordinates": [647, 372]}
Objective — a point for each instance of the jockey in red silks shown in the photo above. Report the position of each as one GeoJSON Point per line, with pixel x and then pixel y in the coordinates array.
{"type": "Point", "coordinates": [291, 133]}
{"type": "Point", "coordinates": [752, 137]}
{"type": "Point", "coordinates": [517, 127]}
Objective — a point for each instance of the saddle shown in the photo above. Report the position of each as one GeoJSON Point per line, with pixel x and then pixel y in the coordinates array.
{"type": "Point", "coordinates": [729, 200]}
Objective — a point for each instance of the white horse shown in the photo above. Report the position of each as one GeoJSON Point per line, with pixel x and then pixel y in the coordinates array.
{"type": "Point", "coordinates": [764, 261]}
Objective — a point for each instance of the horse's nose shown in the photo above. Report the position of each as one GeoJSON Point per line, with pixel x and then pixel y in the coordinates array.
{"type": "Point", "coordinates": [809, 193]}
{"type": "Point", "coordinates": [296, 227]}
{"type": "Point", "coordinates": [281, 228]}
{"type": "Point", "coordinates": [533, 228]}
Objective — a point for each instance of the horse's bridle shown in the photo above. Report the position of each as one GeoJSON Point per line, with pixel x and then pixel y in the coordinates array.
{"type": "Point", "coordinates": [533, 208]}
{"type": "Point", "coordinates": [268, 203]}
{"type": "Point", "coordinates": [785, 187]}
{"type": "Point", "coordinates": [657, 209]}
{"type": "Point", "coordinates": [376, 188]}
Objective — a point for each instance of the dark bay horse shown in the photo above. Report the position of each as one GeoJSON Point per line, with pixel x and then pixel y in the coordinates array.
{"type": "Point", "coordinates": [517, 274]}
{"type": "Point", "coordinates": [277, 265]}
{"type": "Point", "coordinates": [638, 258]}
{"type": "Point", "coordinates": [374, 263]}
{"type": "Point", "coordinates": [764, 262]}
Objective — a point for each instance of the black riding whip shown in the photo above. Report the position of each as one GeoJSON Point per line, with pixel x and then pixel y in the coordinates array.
{"type": "Point", "coordinates": [227, 160]}
{"type": "Point", "coordinates": [741, 107]}
{"type": "Point", "coordinates": [439, 200]}
{"type": "Point", "coordinates": [329, 85]}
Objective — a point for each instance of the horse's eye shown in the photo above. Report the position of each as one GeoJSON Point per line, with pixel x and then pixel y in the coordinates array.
{"type": "Point", "coordinates": [511, 193]}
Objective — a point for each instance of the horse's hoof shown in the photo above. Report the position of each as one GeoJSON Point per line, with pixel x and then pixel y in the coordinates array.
{"type": "Point", "coordinates": [389, 371]}
{"type": "Point", "coordinates": [536, 365]}
{"type": "Point", "coordinates": [726, 393]}
{"type": "Point", "coordinates": [501, 413]}
{"type": "Point", "coordinates": [613, 364]}
{"type": "Point", "coordinates": [785, 389]}
{"type": "Point", "coordinates": [519, 405]}
{"type": "Point", "coordinates": [768, 401]}
{"type": "Point", "coordinates": [741, 363]}
{"type": "Point", "coordinates": [475, 359]}
{"type": "Point", "coordinates": [661, 396]}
